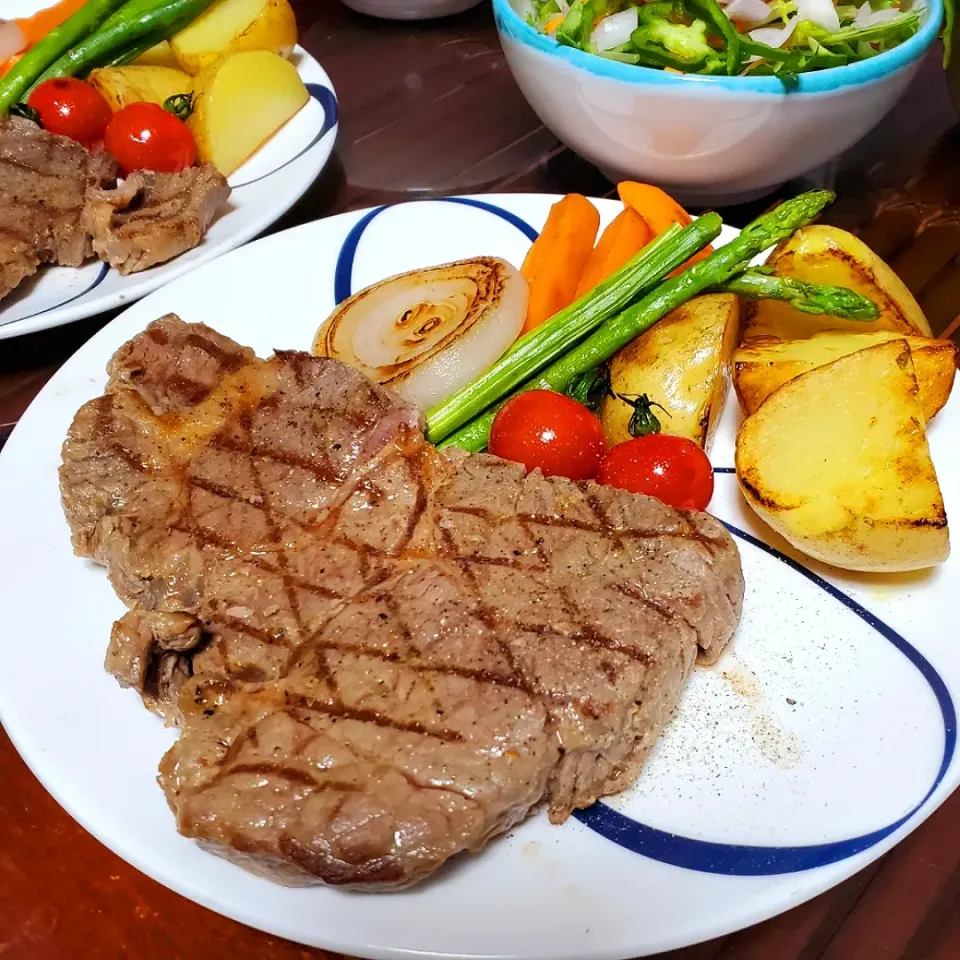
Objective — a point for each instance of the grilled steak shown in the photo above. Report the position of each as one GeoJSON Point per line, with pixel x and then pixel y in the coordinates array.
{"type": "Point", "coordinates": [43, 182]}
{"type": "Point", "coordinates": [153, 217]}
{"type": "Point", "coordinates": [379, 655]}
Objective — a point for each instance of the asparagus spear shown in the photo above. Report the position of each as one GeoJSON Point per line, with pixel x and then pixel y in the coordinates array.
{"type": "Point", "coordinates": [806, 297]}
{"type": "Point", "coordinates": [21, 76]}
{"type": "Point", "coordinates": [715, 270]}
{"type": "Point", "coordinates": [532, 352]}
{"type": "Point", "coordinates": [136, 20]}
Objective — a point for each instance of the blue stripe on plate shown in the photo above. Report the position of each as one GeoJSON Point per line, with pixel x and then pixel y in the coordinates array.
{"type": "Point", "coordinates": [331, 112]}
{"type": "Point", "coordinates": [100, 277]}
{"type": "Point", "coordinates": [343, 271]}
{"type": "Point", "coordinates": [741, 860]}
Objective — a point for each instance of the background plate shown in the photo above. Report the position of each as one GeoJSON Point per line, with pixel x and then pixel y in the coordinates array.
{"type": "Point", "coordinates": [264, 189]}
{"type": "Point", "coordinates": [822, 737]}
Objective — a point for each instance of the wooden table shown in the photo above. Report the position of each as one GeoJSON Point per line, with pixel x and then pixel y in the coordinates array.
{"type": "Point", "coordinates": [433, 109]}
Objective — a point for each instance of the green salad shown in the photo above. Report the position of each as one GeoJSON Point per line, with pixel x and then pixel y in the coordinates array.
{"type": "Point", "coordinates": [781, 38]}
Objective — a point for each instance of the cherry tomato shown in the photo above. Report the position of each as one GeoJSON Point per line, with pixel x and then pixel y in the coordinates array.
{"type": "Point", "coordinates": [144, 136]}
{"type": "Point", "coordinates": [550, 431]}
{"type": "Point", "coordinates": [673, 469]}
{"type": "Point", "coordinates": [71, 108]}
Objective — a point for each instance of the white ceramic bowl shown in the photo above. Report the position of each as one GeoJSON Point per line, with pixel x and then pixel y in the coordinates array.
{"type": "Point", "coordinates": [410, 9]}
{"type": "Point", "coordinates": [706, 139]}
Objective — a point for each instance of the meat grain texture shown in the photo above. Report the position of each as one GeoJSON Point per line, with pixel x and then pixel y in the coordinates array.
{"type": "Point", "coordinates": [378, 655]}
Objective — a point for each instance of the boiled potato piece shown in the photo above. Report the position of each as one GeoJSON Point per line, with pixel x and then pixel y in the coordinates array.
{"type": "Point", "coordinates": [135, 84]}
{"type": "Point", "coordinates": [230, 26]}
{"type": "Point", "coordinates": [241, 101]}
{"type": "Point", "coordinates": [821, 254]}
{"type": "Point", "coordinates": [160, 55]}
{"type": "Point", "coordinates": [836, 461]}
{"type": "Point", "coordinates": [682, 363]}
{"type": "Point", "coordinates": [761, 366]}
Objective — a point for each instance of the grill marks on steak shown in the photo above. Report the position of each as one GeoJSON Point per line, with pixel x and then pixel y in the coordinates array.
{"type": "Point", "coordinates": [153, 217]}
{"type": "Point", "coordinates": [61, 205]}
{"type": "Point", "coordinates": [404, 652]}
{"type": "Point", "coordinates": [43, 181]}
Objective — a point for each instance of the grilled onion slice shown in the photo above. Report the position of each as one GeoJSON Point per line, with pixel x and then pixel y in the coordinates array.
{"type": "Point", "coordinates": [429, 332]}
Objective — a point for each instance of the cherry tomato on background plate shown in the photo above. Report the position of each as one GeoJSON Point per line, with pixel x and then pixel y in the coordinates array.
{"type": "Point", "coordinates": [550, 431]}
{"type": "Point", "coordinates": [675, 470]}
{"type": "Point", "coordinates": [71, 108]}
{"type": "Point", "coordinates": [145, 136]}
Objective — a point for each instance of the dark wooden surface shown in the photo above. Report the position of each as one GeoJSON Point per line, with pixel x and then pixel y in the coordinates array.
{"type": "Point", "coordinates": [432, 108]}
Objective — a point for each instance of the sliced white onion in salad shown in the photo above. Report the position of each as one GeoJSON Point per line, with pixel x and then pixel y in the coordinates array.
{"type": "Point", "coordinates": [615, 30]}
{"type": "Point", "coordinates": [12, 40]}
{"type": "Point", "coordinates": [775, 36]}
{"type": "Point", "coordinates": [868, 17]}
{"type": "Point", "coordinates": [748, 12]}
{"type": "Point", "coordinates": [429, 332]}
{"type": "Point", "coordinates": [821, 12]}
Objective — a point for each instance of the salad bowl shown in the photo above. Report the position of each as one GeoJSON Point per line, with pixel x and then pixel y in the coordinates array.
{"type": "Point", "coordinates": [706, 139]}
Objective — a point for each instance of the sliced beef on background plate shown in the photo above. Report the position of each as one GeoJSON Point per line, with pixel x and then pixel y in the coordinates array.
{"type": "Point", "coordinates": [153, 217]}
{"type": "Point", "coordinates": [43, 185]}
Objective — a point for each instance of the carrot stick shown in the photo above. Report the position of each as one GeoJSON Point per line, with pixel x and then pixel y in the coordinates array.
{"type": "Point", "coordinates": [7, 64]}
{"type": "Point", "coordinates": [551, 25]}
{"type": "Point", "coordinates": [620, 242]}
{"type": "Point", "coordinates": [35, 28]}
{"type": "Point", "coordinates": [554, 264]}
{"type": "Point", "coordinates": [660, 210]}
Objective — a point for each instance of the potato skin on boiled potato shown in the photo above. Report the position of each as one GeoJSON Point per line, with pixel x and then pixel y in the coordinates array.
{"type": "Point", "coordinates": [822, 254]}
{"type": "Point", "coordinates": [765, 364]}
{"type": "Point", "coordinates": [681, 363]}
{"type": "Point", "coordinates": [160, 55]}
{"type": "Point", "coordinates": [121, 86]}
{"type": "Point", "coordinates": [836, 461]}
{"type": "Point", "coordinates": [230, 26]}
{"type": "Point", "coordinates": [241, 101]}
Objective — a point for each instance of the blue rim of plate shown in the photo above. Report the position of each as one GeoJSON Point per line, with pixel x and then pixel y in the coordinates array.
{"type": "Point", "coordinates": [705, 856]}
{"type": "Point", "coordinates": [512, 25]}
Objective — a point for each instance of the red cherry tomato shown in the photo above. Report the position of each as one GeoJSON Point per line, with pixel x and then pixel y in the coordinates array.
{"type": "Point", "coordinates": [550, 431]}
{"type": "Point", "coordinates": [144, 136]}
{"type": "Point", "coordinates": [71, 108]}
{"type": "Point", "coordinates": [675, 470]}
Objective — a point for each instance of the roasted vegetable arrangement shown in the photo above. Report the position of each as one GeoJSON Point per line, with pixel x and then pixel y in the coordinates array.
{"type": "Point", "coordinates": [608, 356]}
{"type": "Point", "coordinates": [163, 83]}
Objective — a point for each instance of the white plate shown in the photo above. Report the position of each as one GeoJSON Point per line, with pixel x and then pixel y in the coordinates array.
{"type": "Point", "coordinates": [824, 736]}
{"type": "Point", "coordinates": [264, 189]}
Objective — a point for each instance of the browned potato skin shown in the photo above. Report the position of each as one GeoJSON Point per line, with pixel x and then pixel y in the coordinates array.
{"type": "Point", "coordinates": [836, 461]}
{"type": "Point", "coordinates": [138, 83]}
{"type": "Point", "coordinates": [766, 363]}
{"type": "Point", "coordinates": [681, 363]}
{"type": "Point", "coordinates": [232, 26]}
{"type": "Point", "coordinates": [823, 254]}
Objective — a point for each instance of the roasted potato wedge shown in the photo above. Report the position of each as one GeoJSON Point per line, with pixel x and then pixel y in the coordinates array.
{"type": "Point", "coordinates": [241, 101]}
{"type": "Point", "coordinates": [682, 364]}
{"type": "Point", "coordinates": [836, 461]}
{"type": "Point", "coordinates": [160, 55]}
{"type": "Point", "coordinates": [822, 254]}
{"type": "Point", "coordinates": [763, 365]}
{"type": "Point", "coordinates": [231, 26]}
{"type": "Point", "coordinates": [135, 84]}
